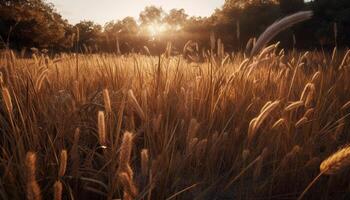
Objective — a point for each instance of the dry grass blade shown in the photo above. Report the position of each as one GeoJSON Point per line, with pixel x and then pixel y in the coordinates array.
{"type": "Point", "coordinates": [136, 105]}
{"type": "Point", "coordinates": [7, 100]}
{"type": "Point", "coordinates": [278, 27]}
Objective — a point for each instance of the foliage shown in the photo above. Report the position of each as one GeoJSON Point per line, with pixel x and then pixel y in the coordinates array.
{"type": "Point", "coordinates": [32, 23]}
{"type": "Point", "coordinates": [102, 126]}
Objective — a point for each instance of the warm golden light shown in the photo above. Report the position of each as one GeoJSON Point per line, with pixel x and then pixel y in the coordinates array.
{"type": "Point", "coordinates": [157, 28]}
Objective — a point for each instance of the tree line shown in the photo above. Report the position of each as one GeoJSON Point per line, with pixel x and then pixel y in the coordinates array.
{"type": "Point", "coordinates": [36, 23]}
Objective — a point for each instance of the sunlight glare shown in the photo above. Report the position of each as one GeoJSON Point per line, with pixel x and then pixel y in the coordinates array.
{"type": "Point", "coordinates": [157, 28]}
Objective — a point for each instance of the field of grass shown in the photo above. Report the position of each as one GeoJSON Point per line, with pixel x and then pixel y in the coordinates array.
{"type": "Point", "coordinates": [102, 126]}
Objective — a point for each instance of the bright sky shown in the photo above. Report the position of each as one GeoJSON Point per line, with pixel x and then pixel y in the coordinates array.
{"type": "Point", "coordinates": [102, 11]}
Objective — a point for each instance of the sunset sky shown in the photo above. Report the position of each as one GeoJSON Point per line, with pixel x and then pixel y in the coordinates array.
{"type": "Point", "coordinates": [102, 11]}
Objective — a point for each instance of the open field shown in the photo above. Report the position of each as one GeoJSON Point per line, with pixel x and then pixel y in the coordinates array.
{"type": "Point", "coordinates": [100, 126]}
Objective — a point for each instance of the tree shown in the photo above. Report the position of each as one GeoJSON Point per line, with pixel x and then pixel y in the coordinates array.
{"type": "Point", "coordinates": [89, 33]}
{"type": "Point", "coordinates": [291, 6]}
{"type": "Point", "coordinates": [176, 17]}
{"type": "Point", "coordinates": [151, 14]}
{"type": "Point", "coordinates": [32, 23]}
{"type": "Point", "coordinates": [121, 34]}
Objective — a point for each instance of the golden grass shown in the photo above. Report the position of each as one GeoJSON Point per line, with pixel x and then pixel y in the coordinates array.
{"type": "Point", "coordinates": [229, 127]}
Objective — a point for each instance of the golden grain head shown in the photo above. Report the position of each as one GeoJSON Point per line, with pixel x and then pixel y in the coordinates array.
{"type": "Point", "coordinates": [301, 122]}
{"type": "Point", "coordinates": [33, 191]}
{"type": "Point", "coordinates": [31, 165]}
{"type": "Point", "coordinates": [63, 163]}
{"type": "Point", "coordinates": [345, 106]}
{"type": "Point", "coordinates": [126, 148]}
{"type": "Point", "coordinates": [127, 184]}
{"type": "Point", "coordinates": [336, 162]}
{"type": "Point", "coordinates": [107, 101]}
{"type": "Point", "coordinates": [279, 123]}
{"type": "Point", "coordinates": [58, 190]}
{"type": "Point", "coordinates": [294, 105]}
{"type": "Point", "coordinates": [102, 128]}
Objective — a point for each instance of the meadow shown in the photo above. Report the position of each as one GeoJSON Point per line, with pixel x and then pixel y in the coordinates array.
{"type": "Point", "coordinates": [104, 126]}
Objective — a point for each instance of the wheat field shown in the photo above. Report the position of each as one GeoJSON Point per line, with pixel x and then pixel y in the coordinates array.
{"type": "Point", "coordinates": [104, 126]}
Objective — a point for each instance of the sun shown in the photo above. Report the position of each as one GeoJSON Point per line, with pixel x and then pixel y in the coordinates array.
{"type": "Point", "coordinates": [156, 29]}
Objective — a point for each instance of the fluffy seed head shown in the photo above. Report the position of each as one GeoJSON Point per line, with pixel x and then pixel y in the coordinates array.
{"type": "Point", "coordinates": [336, 162]}
{"type": "Point", "coordinates": [308, 114]}
{"type": "Point", "coordinates": [301, 122]}
{"type": "Point", "coordinates": [33, 191]}
{"type": "Point", "coordinates": [57, 190]}
{"type": "Point", "coordinates": [278, 123]}
{"type": "Point", "coordinates": [63, 163]}
{"type": "Point", "coordinates": [316, 77]}
{"type": "Point", "coordinates": [101, 128]}
{"type": "Point", "coordinates": [294, 105]}
{"type": "Point", "coordinates": [128, 185]}
{"type": "Point", "coordinates": [107, 101]}
{"type": "Point", "coordinates": [346, 106]}
{"type": "Point", "coordinates": [256, 123]}
{"type": "Point", "coordinates": [125, 149]}
{"type": "Point", "coordinates": [31, 166]}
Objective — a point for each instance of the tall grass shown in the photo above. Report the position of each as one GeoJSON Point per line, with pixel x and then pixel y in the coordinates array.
{"type": "Point", "coordinates": [140, 127]}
